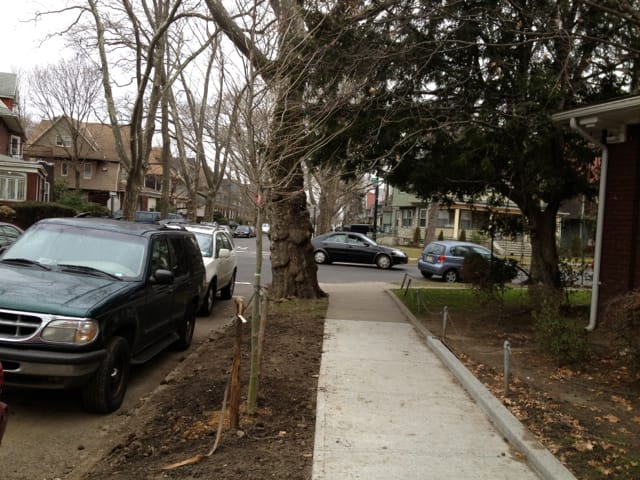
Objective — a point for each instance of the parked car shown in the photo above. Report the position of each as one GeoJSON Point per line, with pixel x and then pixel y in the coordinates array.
{"type": "Point", "coordinates": [143, 216]}
{"type": "Point", "coordinates": [8, 233]}
{"type": "Point", "coordinates": [363, 228]}
{"type": "Point", "coordinates": [4, 409]}
{"type": "Point", "coordinates": [227, 229]}
{"type": "Point", "coordinates": [266, 228]}
{"type": "Point", "coordinates": [84, 298]}
{"type": "Point", "coordinates": [220, 263]}
{"type": "Point", "coordinates": [244, 231]}
{"type": "Point", "coordinates": [445, 258]}
{"type": "Point", "coordinates": [355, 248]}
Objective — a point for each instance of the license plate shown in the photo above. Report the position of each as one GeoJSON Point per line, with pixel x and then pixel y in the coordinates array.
{"type": "Point", "coordinates": [429, 258]}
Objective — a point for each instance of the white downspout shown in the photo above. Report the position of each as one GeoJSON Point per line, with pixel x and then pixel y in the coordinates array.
{"type": "Point", "coordinates": [597, 254]}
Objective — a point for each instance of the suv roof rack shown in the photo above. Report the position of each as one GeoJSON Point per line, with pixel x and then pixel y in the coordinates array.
{"type": "Point", "coordinates": [172, 224]}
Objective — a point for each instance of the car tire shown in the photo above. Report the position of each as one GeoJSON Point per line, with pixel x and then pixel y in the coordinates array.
{"type": "Point", "coordinates": [320, 257]}
{"type": "Point", "coordinates": [209, 300]}
{"type": "Point", "coordinates": [227, 292]}
{"type": "Point", "coordinates": [384, 262]}
{"type": "Point", "coordinates": [427, 274]}
{"type": "Point", "coordinates": [105, 391]}
{"type": "Point", "coordinates": [450, 276]}
{"type": "Point", "coordinates": [186, 329]}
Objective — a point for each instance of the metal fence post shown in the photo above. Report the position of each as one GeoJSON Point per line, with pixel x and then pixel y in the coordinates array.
{"type": "Point", "coordinates": [507, 354]}
{"type": "Point", "coordinates": [445, 317]}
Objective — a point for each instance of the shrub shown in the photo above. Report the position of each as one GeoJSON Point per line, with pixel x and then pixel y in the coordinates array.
{"type": "Point", "coordinates": [463, 236]}
{"type": "Point", "coordinates": [96, 210]}
{"type": "Point", "coordinates": [28, 213]}
{"type": "Point", "coordinates": [477, 237]}
{"type": "Point", "coordinates": [7, 213]}
{"type": "Point", "coordinates": [488, 276]}
{"type": "Point", "coordinates": [562, 337]}
{"type": "Point", "coordinates": [416, 237]}
{"type": "Point", "coordinates": [441, 235]}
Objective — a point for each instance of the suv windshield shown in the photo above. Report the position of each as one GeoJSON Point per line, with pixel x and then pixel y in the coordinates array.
{"type": "Point", "coordinates": [116, 254]}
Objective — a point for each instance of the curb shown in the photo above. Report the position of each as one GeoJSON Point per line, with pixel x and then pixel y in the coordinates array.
{"type": "Point", "coordinates": [546, 466]}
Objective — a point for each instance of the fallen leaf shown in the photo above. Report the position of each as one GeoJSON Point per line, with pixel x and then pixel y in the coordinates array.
{"type": "Point", "coordinates": [626, 404]}
{"type": "Point", "coordinates": [583, 445]}
{"type": "Point", "coordinates": [611, 418]}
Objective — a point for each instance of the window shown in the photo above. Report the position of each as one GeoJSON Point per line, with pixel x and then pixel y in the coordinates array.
{"type": "Point", "coordinates": [338, 238]}
{"type": "Point", "coordinates": [64, 169]}
{"type": "Point", "coordinates": [222, 241]}
{"type": "Point", "coordinates": [63, 140]}
{"type": "Point", "coordinates": [160, 255]}
{"type": "Point", "coordinates": [14, 148]}
{"type": "Point", "coordinates": [88, 170]}
{"type": "Point", "coordinates": [407, 217]}
{"type": "Point", "coordinates": [422, 217]}
{"type": "Point", "coordinates": [445, 218]}
{"type": "Point", "coordinates": [181, 262]}
{"type": "Point", "coordinates": [465, 220]}
{"type": "Point", "coordinates": [13, 187]}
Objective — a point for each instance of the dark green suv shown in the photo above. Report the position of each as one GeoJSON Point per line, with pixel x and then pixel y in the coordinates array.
{"type": "Point", "coordinates": [84, 298]}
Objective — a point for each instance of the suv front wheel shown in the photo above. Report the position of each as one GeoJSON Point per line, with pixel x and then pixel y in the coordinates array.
{"type": "Point", "coordinates": [185, 330]}
{"type": "Point", "coordinates": [104, 393]}
{"type": "Point", "coordinates": [227, 292]}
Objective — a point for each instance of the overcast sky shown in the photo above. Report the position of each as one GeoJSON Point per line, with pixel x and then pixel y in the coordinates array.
{"type": "Point", "coordinates": [21, 38]}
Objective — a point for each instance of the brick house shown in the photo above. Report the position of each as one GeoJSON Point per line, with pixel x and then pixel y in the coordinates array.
{"type": "Point", "coordinates": [20, 180]}
{"type": "Point", "coordinates": [101, 176]}
{"type": "Point", "coordinates": [614, 129]}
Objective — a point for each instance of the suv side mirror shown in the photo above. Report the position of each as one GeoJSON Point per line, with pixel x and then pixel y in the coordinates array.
{"type": "Point", "coordinates": [162, 277]}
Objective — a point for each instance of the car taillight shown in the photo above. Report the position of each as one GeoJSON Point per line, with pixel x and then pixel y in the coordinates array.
{"type": "Point", "coordinates": [441, 259]}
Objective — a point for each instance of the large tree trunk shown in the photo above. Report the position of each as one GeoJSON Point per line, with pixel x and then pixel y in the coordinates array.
{"type": "Point", "coordinates": [132, 189]}
{"type": "Point", "coordinates": [293, 268]}
{"type": "Point", "coordinates": [544, 253]}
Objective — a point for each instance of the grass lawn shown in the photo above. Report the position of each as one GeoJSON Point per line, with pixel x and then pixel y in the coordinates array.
{"type": "Point", "coordinates": [466, 300]}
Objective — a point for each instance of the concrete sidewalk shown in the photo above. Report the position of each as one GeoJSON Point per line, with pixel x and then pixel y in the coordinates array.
{"type": "Point", "coordinates": [390, 408]}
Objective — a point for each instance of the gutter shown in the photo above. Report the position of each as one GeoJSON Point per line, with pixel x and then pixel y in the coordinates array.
{"type": "Point", "coordinates": [595, 287]}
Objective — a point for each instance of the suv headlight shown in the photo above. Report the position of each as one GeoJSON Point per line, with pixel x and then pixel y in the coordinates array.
{"type": "Point", "coordinates": [74, 332]}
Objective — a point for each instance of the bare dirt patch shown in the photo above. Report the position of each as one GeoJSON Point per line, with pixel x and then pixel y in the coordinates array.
{"type": "Point", "coordinates": [587, 414]}
{"type": "Point", "coordinates": [182, 419]}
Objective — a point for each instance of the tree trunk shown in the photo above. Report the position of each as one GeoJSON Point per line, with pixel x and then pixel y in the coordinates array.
{"type": "Point", "coordinates": [544, 253]}
{"type": "Point", "coordinates": [325, 207]}
{"type": "Point", "coordinates": [209, 207]}
{"type": "Point", "coordinates": [292, 264]}
{"type": "Point", "coordinates": [432, 220]}
{"type": "Point", "coordinates": [132, 190]}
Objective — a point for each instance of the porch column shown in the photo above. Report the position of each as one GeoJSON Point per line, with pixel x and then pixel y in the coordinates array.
{"type": "Point", "coordinates": [456, 223]}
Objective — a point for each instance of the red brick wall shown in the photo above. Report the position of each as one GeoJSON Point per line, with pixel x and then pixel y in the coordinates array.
{"type": "Point", "coordinates": [620, 267]}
